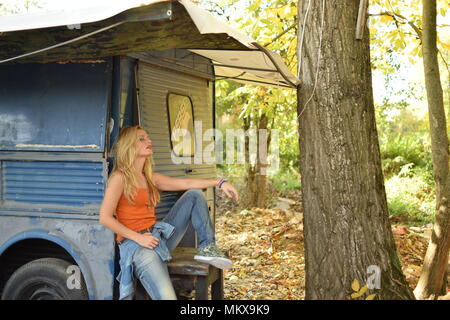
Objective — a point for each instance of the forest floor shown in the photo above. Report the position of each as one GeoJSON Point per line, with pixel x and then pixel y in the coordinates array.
{"type": "Point", "coordinates": [266, 247]}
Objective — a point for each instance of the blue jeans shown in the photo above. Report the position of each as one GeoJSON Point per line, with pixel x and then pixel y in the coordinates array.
{"type": "Point", "coordinates": [148, 266]}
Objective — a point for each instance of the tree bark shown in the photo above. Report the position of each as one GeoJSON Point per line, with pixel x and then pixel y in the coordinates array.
{"type": "Point", "coordinates": [346, 220]}
{"type": "Point", "coordinates": [261, 162]}
{"type": "Point", "coordinates": [250, 170]}
{"type": "Point", "coordinates": [257, 172]}
{"type": "Point", "coordinates": [432, 282]}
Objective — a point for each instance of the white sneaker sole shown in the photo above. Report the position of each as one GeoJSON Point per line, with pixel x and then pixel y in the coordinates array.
{"type": "Point", "coordinates": [218, 262]}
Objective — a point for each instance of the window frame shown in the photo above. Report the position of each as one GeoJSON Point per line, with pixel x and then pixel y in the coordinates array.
{"type": "Point", "coordinates": [183, 94]}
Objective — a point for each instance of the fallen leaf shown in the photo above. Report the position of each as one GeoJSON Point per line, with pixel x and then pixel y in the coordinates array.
{"type": "Point", "coordinates": [371, 296]}
{"type": "Point", "coordinates": [259, 255]}
{"type": "Point", "coordinates": [355, 285]}
{"type": "Point", "coordinates": [400, 230]}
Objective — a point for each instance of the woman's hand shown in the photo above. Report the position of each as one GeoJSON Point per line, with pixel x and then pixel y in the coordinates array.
{"type": "Point", "coordinates": [230, 191]}
{"type": "Point", "coordinates": [146, 240]}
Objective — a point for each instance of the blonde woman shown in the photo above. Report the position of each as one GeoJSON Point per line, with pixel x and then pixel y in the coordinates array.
{"type": "Point", "coordinates": [145, 244]}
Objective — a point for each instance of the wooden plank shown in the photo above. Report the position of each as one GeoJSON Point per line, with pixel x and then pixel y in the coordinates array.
{"type": "Point", "coordinates": [217, 287]}
{"type": "Point", "coordinates": [188, 274]}
{"type": "Point", "coordinates": [183, 263]}
{"type": "Point", "coordinates": [186, 283]}
{"type": "Point", "coordinates": [201, 288]}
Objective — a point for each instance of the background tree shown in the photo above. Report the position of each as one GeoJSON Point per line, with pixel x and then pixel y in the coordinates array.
{"type": "Point", "coordinates": [273, 24]}
{"type": "Point", "coordinates": [401, 29]}
{"type": "Point", "coordinates": [346, 223]}
{"type": "Point", "coordinates": [396, 34]}
{"type": "Point", "coordinates": [433, 278]}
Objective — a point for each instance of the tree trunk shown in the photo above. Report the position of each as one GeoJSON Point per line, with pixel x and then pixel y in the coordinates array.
{"type": "Point", "coordinates": [250, 169]}
{"type": "Point", "coordinates": [261, 162]}
{"type": "Point", "coordinates": [257, 172]}
{"type": "Point", "coordinates": [432, 282]}
{"type": "Point", "coordinates": [347, 231]}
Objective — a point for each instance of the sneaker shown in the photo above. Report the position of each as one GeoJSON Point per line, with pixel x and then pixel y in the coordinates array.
{"type": "Point", "coordinates": [213, 256]}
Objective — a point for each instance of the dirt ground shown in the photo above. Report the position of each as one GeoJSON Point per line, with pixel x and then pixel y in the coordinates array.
{"type": "Point", "coordinates": [266, 246]}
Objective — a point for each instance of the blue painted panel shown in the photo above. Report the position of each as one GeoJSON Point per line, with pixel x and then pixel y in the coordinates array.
{"type": "Point", "coordinates": [63, 183]}
{"type": "Point", "coordinates": [122, 104]}
{"type": "Point", "coordinates": [57, 107]}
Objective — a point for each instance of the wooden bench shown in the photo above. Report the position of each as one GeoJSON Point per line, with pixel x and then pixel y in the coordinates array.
{"type": "Point", "coordinates": [188, 274]}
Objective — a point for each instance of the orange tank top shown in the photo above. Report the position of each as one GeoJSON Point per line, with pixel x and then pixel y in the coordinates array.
{"type": "Point", "coordinates": [136, 217]}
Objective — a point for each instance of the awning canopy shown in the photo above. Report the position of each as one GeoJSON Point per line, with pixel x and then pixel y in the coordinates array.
{"type": "Point", "coordinates": [119, 28]}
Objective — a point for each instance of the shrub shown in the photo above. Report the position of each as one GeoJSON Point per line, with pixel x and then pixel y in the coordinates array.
{"type": "Point", "coordinates": [403, 150]}
{"type": "Point", "coordinates": [411, 198]}
{"type": "Point", "coordinates": [285, 181]}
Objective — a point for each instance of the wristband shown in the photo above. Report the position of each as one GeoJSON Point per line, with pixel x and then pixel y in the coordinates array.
{"type": "Point", "coordinates": [221, 182]}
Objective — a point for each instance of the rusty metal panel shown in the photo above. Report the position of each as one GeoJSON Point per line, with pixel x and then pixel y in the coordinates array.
{"type": "Point", "coordinates": [89, 244]}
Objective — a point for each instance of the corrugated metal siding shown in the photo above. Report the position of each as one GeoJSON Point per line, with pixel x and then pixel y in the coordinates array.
{"type": "Point", "coordinates": [63, 183]}
{"type": "Point", "coordinates": [154, 85]}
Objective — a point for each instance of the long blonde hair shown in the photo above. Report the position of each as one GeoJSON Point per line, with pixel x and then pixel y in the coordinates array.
{"type": "Point", "coordinates": [125, 155]}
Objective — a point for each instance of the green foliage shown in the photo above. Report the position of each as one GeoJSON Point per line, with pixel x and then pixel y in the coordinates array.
{"type": "Point", "coordinates": [397, 25]}
{"type": "Point", "coordinates": [395, 28]}
{"type": "Point", "coordinates": [395, 42]}
{"type": "Point", "coordinates": [406, 161]}
{"type": "Point", "coordinates": [235, 102]}
{"type": "Point", "coordinates": [401, 154]}
{"type": "Point", "coordinates": [409, 182]}
{"type": "Point", "coordinates": [285, 181]}
{"type": "Point", "coordinates": [411, 198]}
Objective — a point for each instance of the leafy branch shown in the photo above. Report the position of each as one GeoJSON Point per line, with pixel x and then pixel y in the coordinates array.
{"type": "Point", "coordinates": [404, 20]}
{"type": "Point", "coordinates": [293, 25]}
{"type": "Point", "coordinates": [418, 32]}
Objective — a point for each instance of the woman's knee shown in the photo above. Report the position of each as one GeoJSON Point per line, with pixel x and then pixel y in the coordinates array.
{"type": "Point", "coordinates": [160, 288]}
{"type": "Point", "coordinates": [167, 293]}
{"type": "Point", "coordinates": [195, 193]}
{"type": "Point", "coordinates": [153, 274]}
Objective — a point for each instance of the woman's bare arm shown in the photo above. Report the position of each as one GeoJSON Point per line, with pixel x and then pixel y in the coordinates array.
{"type": "Point", "coordinates": [166, 183]}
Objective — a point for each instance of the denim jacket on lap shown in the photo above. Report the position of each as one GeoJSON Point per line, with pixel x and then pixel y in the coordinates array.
{"type": "Point", "coordinates": [128, 248]}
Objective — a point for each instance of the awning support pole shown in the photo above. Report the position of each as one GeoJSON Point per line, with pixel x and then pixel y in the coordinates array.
{"type": "Point", "coordinates": [265, 51]}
